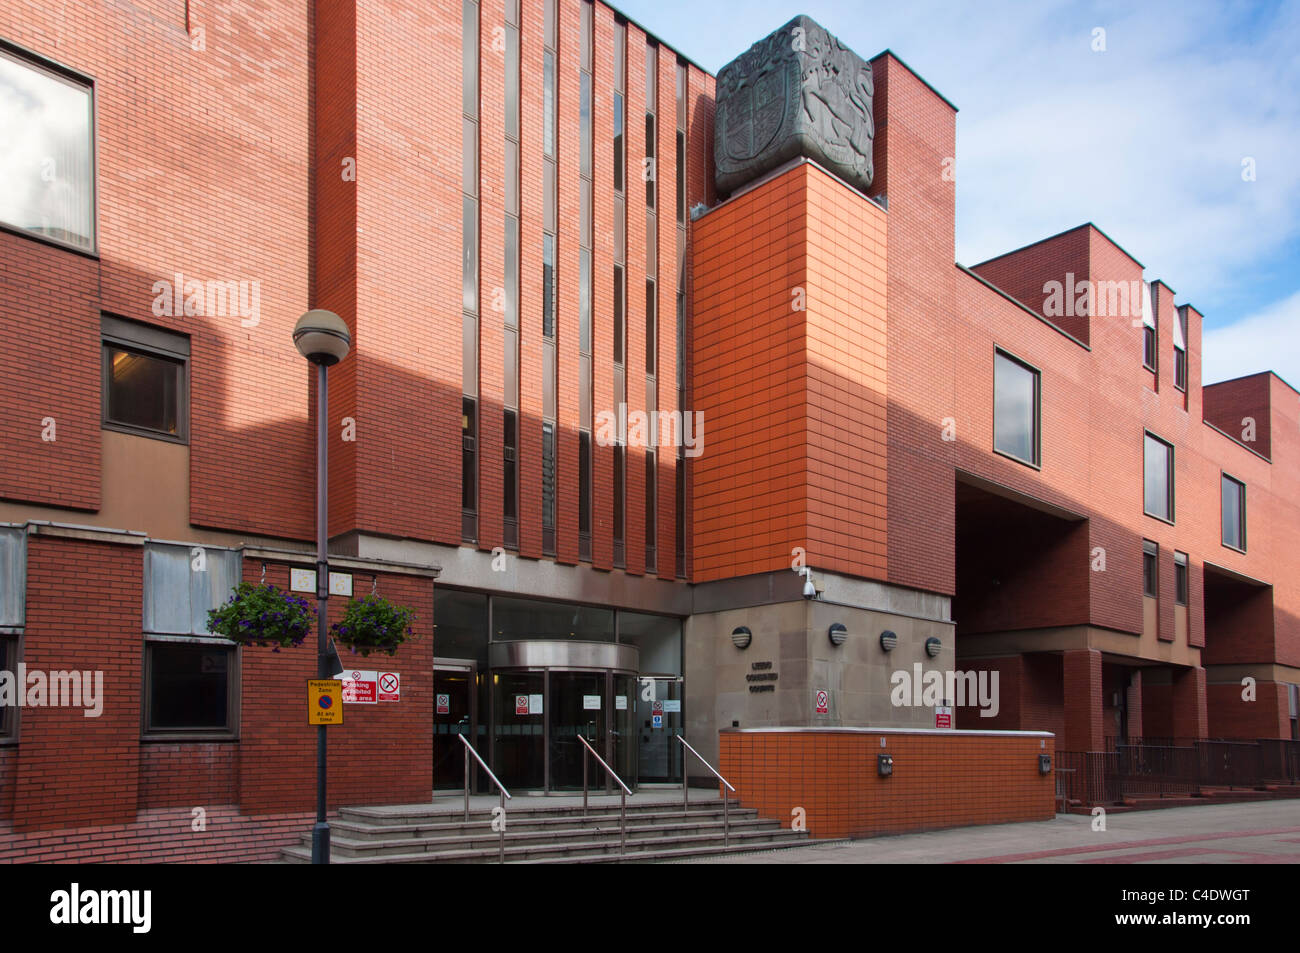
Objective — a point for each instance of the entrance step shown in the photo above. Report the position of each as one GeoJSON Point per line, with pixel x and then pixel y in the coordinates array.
{"type": "Point", "coordinates": [539, 833]}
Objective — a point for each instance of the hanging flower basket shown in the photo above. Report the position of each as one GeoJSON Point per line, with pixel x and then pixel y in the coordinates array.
{"type": "Point", "coordinates": [262, 615]}
{"type": "Point", "coordinates": [373, 623]}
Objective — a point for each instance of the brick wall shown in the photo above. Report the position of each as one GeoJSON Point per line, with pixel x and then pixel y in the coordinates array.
{"type": "Point", "coordinates": [940, 779]}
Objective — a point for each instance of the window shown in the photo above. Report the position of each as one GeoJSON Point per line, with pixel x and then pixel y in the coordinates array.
{"type": "Point", "coordinates": [190, 675]}
{"type": "Point", "coordinates": [548, 488]}
{"type": "Point", "coordinates": [548, 285]}
{"type": "Point", "coordinates": [651, 513]}
{"type": "Point", "coordinates": [1180, 349]}
{"type": "Point", "coordinates": [468, 459]}
{"type": "Point", "coordinates": [618, 142]}
{"type": "Point", "coordinates": [1148, 328]}
{"type": "Point", "coordinates": [1150, 569]}
{"type": "Point", "coordinates": [1234, 513]}
{"type": "Point", "coordinates": [191, 688]}
{"type": "Point", "coordinates": [1180, 578]}
{"type": "Point", "coordinates": [584, 492]}
{"type": "Point", "coordinates": [510, 505]}
{"type": "Point", "coordinates": [1158, 479]}
{"type": "Point", "coordinates": [145, 380]}
{"type": "Point", "coordinates": [48, 171]}
{"type": "Point", "coordinates": [620, 469]}
{"type": "Point", "coordinates": [1015, 409]}
{"type": "Point", "coordinates": [8, 663]}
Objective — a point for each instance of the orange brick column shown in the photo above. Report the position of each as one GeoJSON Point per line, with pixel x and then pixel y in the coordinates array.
{"type": "Point", "coordinates": [1083, 716]}
{"type": "Point", "coordinates": [1188, 703]}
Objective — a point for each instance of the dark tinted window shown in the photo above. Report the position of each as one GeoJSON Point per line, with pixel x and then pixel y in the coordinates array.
{"type": "Point", "coordinates": [189, 686]}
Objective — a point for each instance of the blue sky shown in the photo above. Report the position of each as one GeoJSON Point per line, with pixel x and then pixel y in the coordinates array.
{"type": "Point", "coordinates": [1146, 139]}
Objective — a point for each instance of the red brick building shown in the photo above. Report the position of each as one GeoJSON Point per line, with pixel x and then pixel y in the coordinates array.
{"type": "Point", "coordinates": [513, 206]}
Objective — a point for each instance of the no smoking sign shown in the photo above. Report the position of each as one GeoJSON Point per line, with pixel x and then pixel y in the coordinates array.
{"type": "Point", "coordinates": [390, 687]}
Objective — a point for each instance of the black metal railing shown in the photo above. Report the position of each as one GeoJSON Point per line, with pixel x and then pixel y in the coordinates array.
{"type": "Point", "coordinates": [1173, 767]}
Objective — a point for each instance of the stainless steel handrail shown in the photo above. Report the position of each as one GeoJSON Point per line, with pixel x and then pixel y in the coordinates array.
{"type": "Point", "coordinates": [726, 801]}
{"type": "Point", "coordinates": [622, 811]}
{"type": "Point", "coordinates": [505, 795]}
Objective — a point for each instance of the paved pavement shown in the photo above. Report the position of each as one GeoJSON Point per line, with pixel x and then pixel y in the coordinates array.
{"type": "Point", "coordinates": [1265, 832]}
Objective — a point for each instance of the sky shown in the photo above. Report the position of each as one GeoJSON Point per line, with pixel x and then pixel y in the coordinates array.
{"type": "Point", "coordinates": [1180, 139]}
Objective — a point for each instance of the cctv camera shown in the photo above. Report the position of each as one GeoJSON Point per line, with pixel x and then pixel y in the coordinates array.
{"type": "Point", "coordinates": [809, 590]}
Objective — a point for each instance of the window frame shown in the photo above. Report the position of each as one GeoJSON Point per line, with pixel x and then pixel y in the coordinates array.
{"type": "Point", "coordinates": [148, 733]}
{"type": "Point", "coordinates": [1241, 512]}
{"type": "Point", "coordinates": [68, 75]}
{"type": "Point", "coordinates": [1037, 462]}
{"type": "Point", "coordinates": [1152, 549]}
{"type": "Point", "coordinates": [149, 341]}
{"type": "Point", "coordinates": [1170, 472]}
{"type": "Point", "coordinates": [1182, 580]}
{"type": "Point", "coordinates": [11, 717]}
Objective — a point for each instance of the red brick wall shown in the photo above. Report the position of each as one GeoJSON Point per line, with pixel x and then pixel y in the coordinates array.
{"type": "Point", "coordinates": [1025, 273]}
{"type": "Point", "coordinates": [1231, 716]}
{"type": "Point", "coordinates": [188, 775]}
{"type": "Point", "coordinates": [1229, 403]}
{"type": "Point", "coordinates": [162, 836]}
{"type": "Point", "coordinates": [83, 613]}
{"type": "Point", "coordinates": [940, 779]}
{"type": "Point", "coordinates": [382, 754]}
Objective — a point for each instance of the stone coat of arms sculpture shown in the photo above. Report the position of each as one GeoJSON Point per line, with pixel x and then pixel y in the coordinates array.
{"type": "Point", "coordinates": [799, 92]}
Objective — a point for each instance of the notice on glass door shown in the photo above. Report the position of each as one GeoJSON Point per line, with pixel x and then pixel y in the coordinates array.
{"type": "Point", "coordinates": [534, 704]}
{"type": "Point", "coordinates": [620, 702]}
{"type": "Point", "coordinates": [591, 702]}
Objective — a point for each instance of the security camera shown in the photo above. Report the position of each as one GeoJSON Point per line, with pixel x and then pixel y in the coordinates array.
{"type": "Point", "coordinates": [809, 590]}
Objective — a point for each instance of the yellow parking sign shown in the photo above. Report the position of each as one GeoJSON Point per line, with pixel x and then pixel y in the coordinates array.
{"type": "Point", "coordinates": [324, 701]}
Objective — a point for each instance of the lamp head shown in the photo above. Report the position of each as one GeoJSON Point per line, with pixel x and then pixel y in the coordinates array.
{"type": "Point", "coordinates": [322, 337]}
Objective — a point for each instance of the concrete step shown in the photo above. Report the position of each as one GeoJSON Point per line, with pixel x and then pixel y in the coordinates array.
{"type": "Point", "coordinates": [551, 823]}
{"type": "Point", "coordinates": [521, 810]}
{"type": "Point", "coordinates": [364, 843]}
{"type": "Point", "coordinates": [606, 850]}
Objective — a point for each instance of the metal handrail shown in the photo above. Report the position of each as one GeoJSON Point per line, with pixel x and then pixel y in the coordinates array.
{"type": "Point", "coordinates": [622, 810]}
{"type": "Point", "coordinates": [505, 795]}
{"type": "Point", "coordinates": [726, 801]}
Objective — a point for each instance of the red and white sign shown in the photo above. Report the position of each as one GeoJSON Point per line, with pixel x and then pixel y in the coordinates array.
{"type": "Point", "coordinates": [521, 704]}
{"type": "Point", "coordinates": [823, 702]}
{"type": "Point", "coordinates": [656, 708]}
{"type": "Point", "coordinates": [943, 717]}
{"type": "Point", "coordinates": [390, 687]}
{"type": "Point", "coordinates": [444, 704]}
{"type": "Point", "coordinates": [360, 687]}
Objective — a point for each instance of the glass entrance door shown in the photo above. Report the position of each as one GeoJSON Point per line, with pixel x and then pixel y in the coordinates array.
{"type": "Point", "coordinates": [659, 752]}
{"type": "Point", "coordinates": [519, 732]}
{"type": "Point", "coordinates": [576, 708]}
{"type": "Point", "coordinates": [453, 689]}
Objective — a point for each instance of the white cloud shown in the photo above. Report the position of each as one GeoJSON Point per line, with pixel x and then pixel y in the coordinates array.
{"type": "Point", "coordinates": [1266, 341]}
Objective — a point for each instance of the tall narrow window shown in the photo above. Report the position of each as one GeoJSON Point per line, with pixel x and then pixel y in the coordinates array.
{"type": "Point", "coordinates": [1180, 349]}
{"type": "Point", "coordinates": [548, 285]}
{"type": "Point", "coordinates": [469, 266]}
{"type": "Point", "coordinates": [548, 487]}
{"type": "Point", "coordinates": [1180, 578]}
{"type": "Point", "coordinates": [586, 225]}
{"type": "Point", "coordinates": [1148, 328]}
{"type": "Point", "coordinates": [1158, 478]}
{"type": "Point", "coordinates": [49, 186]}
{"type": "Point", "coordinates": [1234, 513]}
{"type": "Point", "coordinates": [620, 281]}
{"type": "Point", "coordinates": [510, 453]}
{"type": "Point", "coordinates": [1150, 569]}
{"type": "Point", "coordinates": [510, 508]}
{"type": "Point", "coordinates": [679, 495]}
{"type": "Point", "coordinates": [1015, 409]}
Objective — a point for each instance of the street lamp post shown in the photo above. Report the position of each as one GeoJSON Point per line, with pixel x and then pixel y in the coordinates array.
{"type": "Point", "coordinates": [323, 338]}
